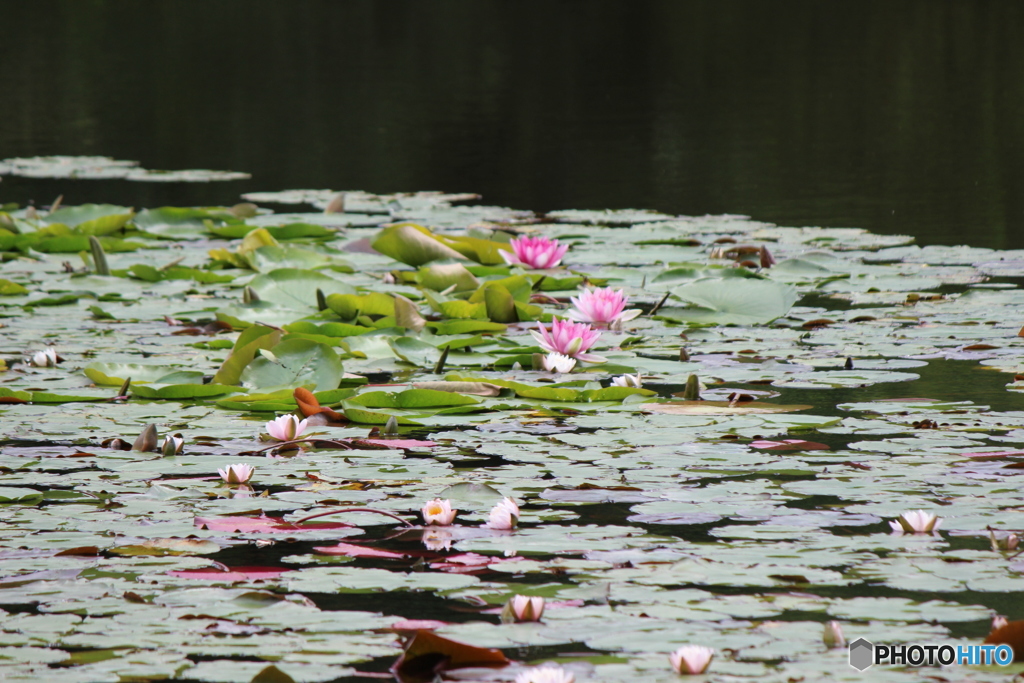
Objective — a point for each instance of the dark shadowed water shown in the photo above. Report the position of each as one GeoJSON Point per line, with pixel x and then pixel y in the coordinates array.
{"type": "Point", "coordinates": [895, 116]}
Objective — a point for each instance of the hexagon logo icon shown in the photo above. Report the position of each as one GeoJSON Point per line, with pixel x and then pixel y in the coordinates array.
{"type": "Point", "coordinates": [862, 654]}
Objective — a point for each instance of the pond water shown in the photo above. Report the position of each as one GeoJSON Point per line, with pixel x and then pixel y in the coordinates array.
{"type": "Point", "coordinates": [845, 377]}
{"type": "Point", "coordinates": [900, 117]}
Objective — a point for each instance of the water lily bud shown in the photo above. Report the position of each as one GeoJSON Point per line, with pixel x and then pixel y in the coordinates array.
{"type": "Point", "coordinates": [833, 636]}
{"type": "Point", "coordinates": [526, 608]}
{"type": "Point", "coordinates": [439, 512]}
{"type": "Point", "coordinates": [916, 522]}
{"type": "Point", "coordinates": [337, 204]}
{"type": "Point", "coordinates": [691, 659]}
{"type": "Point", "coordinates": [1008, 542]}
{"type": "Point", "coordinates": [546, 674]}
{"type": "Point", "coordinates": [692, 390]}
{"type": "Point", "coordinates": [999, 621]}
{"type": "Point", "coordinates": [147, 440]}
{"type": "Point", "coordinates": [286, 428]}
{"type": "Point", "coordinates": [391, 427]}
{"type": "Point", "coordinates": [172, 445]}
{"type": "Point", "coordinates": [504, 515]}
{"type": "Point", "coordinates": [237, 474]}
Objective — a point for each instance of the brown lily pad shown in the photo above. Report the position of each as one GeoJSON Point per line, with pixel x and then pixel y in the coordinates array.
{"type": "Point", "coordinates": [428, 654]}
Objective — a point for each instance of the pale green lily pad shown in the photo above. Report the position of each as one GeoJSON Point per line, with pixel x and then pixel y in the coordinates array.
{"type": "Point", "coordinates": [732, 301]}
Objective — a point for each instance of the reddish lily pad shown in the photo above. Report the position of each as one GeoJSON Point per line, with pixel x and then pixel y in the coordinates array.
{"type": "Point", "coordinates": [351, 550]}
{"type": "Point", "coordinates": [393, 443]}
{"type": "Point", "coordinates": [407, 625]}
{"type": "Point", "coordinates": [991, 455]}
{"type": "Point", "coordinates": [310, 406]}
{"type": "Point", "coordinates": [236, 574]}
{"type": "Point", "coordinates": [427, 654]}
{"type": "Point", "coordinates": [262, 525]}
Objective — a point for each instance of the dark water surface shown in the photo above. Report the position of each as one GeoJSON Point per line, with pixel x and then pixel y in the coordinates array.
{"type": "Point", "coordinates": [895, 116]}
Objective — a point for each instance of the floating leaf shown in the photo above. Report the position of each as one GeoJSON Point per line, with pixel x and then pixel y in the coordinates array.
{"type": "Point", "coordinates": [732, 301]}
{"type": "Point", "coordinates": [474, 388]}
{"type": "Point", "coordinates": [169, 546]}
{"type": "Point", "coordinates": [248, 344]}
{"type": "Point", "coordinates": [412, 399]}
{"type": "Point", "coordinates": [296, 362]}
{"type": "Point", "coordinates": [429, 652]}
{"type": "Point", "coordinates": [295, 287]}
{"type": "Point", "coordinates": [413, 245]}
{"type": "Point", "coordinates": [722, 408]}
{"type": "Point", "coordinates": [453, 276]}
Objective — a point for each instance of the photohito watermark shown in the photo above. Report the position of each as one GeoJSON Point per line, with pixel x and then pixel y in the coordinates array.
{"type": "Point", "coordinates": [864, 654]}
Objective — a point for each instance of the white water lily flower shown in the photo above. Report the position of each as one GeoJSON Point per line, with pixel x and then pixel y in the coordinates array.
{"type": "Point", "coordinates": [691, 659]}
{"type": "Point", "coordinates": [46, 358]}
{"type": "Point", "coordinates": [173, 444]}
{"type": "Point", "coordinates": [504, 515]}
{"type": "Point", "coordinates": [546, 674]}
{"type": "Point", "coordinates": [634, 381]}
{"type": "Point", "coordinates": [439, 512]}
{"type": "Point", "coordinates": [557, 362]}
{"type": "Point", "coordinates": [237, 474]}
{"type": "Point", "coordinates": [916, 522]}
{"type": "Point", "coordinates": [527, 608]}
{"type": "Point", "coordinates": [286, 428]}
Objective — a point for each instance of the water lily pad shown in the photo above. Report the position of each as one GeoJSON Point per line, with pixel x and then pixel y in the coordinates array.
{"type": "Point", "coordinates": [732, 301]}
{"type": "Point", "coordinates": [294, 363]}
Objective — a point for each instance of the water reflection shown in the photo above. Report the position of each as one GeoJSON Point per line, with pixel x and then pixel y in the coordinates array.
{"type": "Point", "coordinates": [896, 117]}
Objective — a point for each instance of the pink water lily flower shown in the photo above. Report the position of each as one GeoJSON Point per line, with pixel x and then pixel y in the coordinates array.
{"type": "Point", "coordinates": [546, 674]}
{"type": "Point", "coordinates": [527, 608]}
{"type": "Point", "coordinates": [237, 474]}
{"type": "Point", "coordinates": [602, 306]}
{"type": "Point", "coordinates": [286, 428]}
{"type": "Point", "coordinates": [439, 512]}
{"type": "Point", "coordinates": [569, 339]}
{"type": "Point", "coordinates": [534, 252]}
{"type": "Point", "coordinates": [691, 659]}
